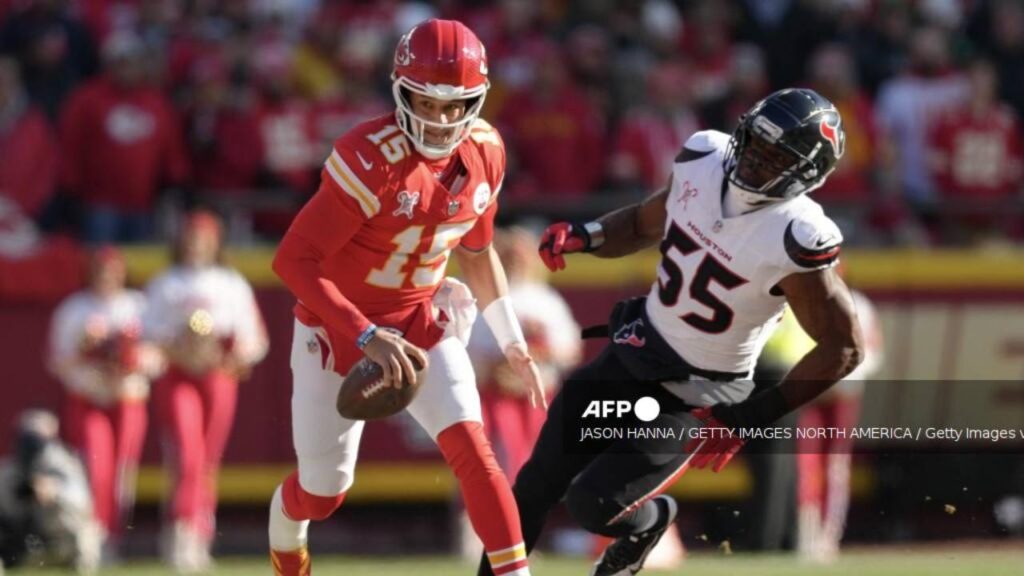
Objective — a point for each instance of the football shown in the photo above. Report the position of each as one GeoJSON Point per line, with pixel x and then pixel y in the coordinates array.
{"type": "Point", "coordinates": [364, 396]}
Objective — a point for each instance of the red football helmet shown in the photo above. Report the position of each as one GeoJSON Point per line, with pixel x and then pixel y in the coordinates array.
{"type": "Point", "coordinates": [441, 59]}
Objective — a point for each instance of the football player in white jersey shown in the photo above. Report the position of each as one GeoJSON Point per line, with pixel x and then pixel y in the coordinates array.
{"type": "Point", "coordinates": [740, 240]}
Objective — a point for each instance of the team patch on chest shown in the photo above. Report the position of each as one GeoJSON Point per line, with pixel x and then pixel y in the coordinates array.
{"type": "Point", "coordinates": [481, 197]}
{"type": "Point", "coordinates": [407, 202]}
{"type": "Point", "coordinates": [688, 192]}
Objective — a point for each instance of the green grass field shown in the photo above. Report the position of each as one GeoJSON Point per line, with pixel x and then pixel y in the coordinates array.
{"type": "Point", "coordinates": [937, 561]}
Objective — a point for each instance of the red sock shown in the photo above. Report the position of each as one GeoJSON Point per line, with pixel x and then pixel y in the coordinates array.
{"type": "Point", "coordinates": [488, 496]}
{"type": "Point", "coordinates": [300, 505]}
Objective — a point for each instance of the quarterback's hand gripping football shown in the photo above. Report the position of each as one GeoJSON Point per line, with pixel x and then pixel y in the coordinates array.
{"type": "Point", "coordinates": [521, 361]}
{"type": "Point", "coordinates": [395, 355]}
{"type": "Point", "coordinates": [562, 238]}
{"type": "Point", "coordinates": [716, 449]}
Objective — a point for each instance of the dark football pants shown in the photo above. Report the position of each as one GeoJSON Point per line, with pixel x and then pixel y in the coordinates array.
{"type": "Point", "coordinates": [612, 477]}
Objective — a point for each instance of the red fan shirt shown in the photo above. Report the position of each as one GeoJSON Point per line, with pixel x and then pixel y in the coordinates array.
{"type": "Point", "coordinates": [977, 156]}
{"type": "Point", "coordinates": [119, 145]}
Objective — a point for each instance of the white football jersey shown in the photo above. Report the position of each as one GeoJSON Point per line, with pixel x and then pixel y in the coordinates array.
{"type": "Point", "coordinates": [176, 295]}
{"type": "Point", "coordinates": [713, 300]}
{"type": "Point", "coordinates": [84, 313]}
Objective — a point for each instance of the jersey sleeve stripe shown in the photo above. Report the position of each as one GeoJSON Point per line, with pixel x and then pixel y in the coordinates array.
{"type": "Point", "coordinates": [809, 257]}
{"type": "Point", "coordinates": [688, 155]}
{"type": "Point", "coordinates": [494, 195]}
{"type": "Point", "coordinates": [347, 180]}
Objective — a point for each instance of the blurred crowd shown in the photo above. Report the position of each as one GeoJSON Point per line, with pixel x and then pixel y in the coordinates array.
{"type": "Point", "coordinates": [106, 105]}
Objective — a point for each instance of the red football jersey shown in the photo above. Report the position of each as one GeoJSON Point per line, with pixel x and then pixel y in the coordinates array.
{"type": "Point", "coordinates": [977, 156]}
{"type": "Point", "coordinates": [385, 220]}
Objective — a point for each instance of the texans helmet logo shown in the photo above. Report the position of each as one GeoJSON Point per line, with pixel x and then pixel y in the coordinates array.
{"type": "Point", "coordinates": [831, 133]}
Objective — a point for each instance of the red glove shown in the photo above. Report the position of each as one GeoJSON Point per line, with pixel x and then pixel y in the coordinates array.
{"type": "Point", "coordinates": [716, 450]}
{"type": "Point", "coordinates": [562, 238]}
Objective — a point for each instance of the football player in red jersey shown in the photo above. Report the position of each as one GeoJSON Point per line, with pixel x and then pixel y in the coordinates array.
{"type": "Point", "coordinates": [366, 258]}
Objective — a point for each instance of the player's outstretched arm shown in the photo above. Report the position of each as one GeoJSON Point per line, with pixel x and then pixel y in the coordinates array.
{"type": "Point", "coordinates": [616, 234]}
{"type": "Point", "coordinates": [485, 276]}
{"type": "Point", "coordinates": [633, 228]}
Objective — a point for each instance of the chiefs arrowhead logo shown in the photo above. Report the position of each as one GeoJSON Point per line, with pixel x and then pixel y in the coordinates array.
{"type": "Point", "coordinates": [831, 133]}
{"type": "Point", "coordinates": [403, 55]}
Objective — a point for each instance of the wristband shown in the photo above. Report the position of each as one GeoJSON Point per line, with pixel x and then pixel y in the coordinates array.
{"type": "Point", "coordinates": [366, 336]}
{"type": "Point", "coordinates": [503, 323]}
{"type": "Point", "coordinates": [755, 412]}
{"type": "Point", "coordinates": [593, 235]}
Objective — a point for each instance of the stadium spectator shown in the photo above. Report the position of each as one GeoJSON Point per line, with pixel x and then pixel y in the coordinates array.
{"type": "Point", "coordinates": [975, 157]}
{"type": "Point", "coordinates": [54, 49]}
{"type": "Point", "coordinates": [833, 74]}
{"type": "Point", "coordinates": [356, 98]}
{"type": "Point", "coordinates": [204, 316]}
{"type": "Point", "coordinates": [590, 61]}
{"type": "Point", "coordinates": [508, 29]}
{"type": "Point", "coordinates": [788, 31]}
{"type": "Point", "coordinates": [747, 83]}
{"type": "Point", "coordinates": [315, 70]}
{"type": "Point", "coordinates": [1004, 37]}
{"type": "Point", "coordinates": [708, 45]}
{"type": "Point", "coordinates": [554, 135]}
{"type": "Point", "coordinates": [45, 510]}
{"type": "Point", "coordinates": [651, 135]}
{"type": "Point", "coordinates": [96, 352]}
{"type": "Point", "coordinates": [908, 106]}
{"type": "Point", "coordinates": [223, 110]}
{"type": "Point", "coordinates": [880, 38]}
{"type": "Point", "coordinates": [121, 141]}
{"type": "Point", "coordinates": [28, 146]}
{"type": "Point", "coordinates": [287, 134]}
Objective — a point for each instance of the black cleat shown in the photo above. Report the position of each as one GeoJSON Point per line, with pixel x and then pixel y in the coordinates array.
{"type": "Point", "coordinates": [625, 556]}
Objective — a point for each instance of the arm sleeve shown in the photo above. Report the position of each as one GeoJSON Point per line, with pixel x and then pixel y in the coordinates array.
{"type": "Point", "coordinates": [324, 225]}
{"type": "Point", "coordinates": [481, 234]}
{"type": "Point", "coordinates": [810, 242]}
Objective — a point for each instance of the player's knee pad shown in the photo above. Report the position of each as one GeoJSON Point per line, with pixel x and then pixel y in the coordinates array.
{"type": "Point", "coordinates": [592, 510]}
{"type": "Point", "coordinates": [467, 451]}
{"type": "Point", "coordinates": [301, 505]}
